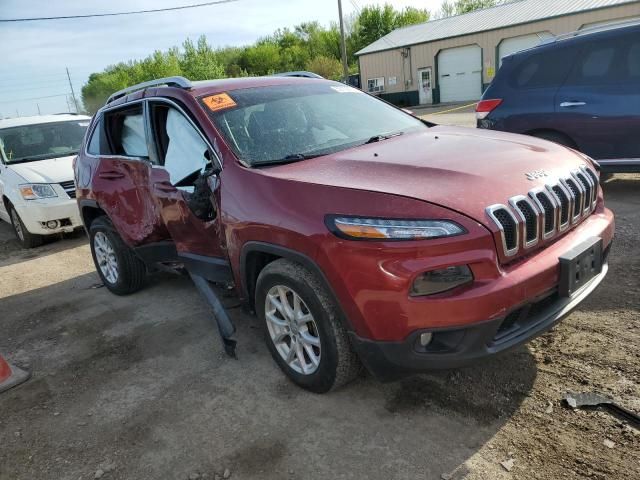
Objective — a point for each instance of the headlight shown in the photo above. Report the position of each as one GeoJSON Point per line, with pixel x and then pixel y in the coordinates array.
{"type": "Point", "coordinates": [438, 281]}
{"type": "Point", "coordinates": [37, 190]}
{"type": "Point", "coordinates": [358, 228]}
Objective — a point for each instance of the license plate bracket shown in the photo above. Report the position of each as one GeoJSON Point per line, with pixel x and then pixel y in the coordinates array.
{"type": "Point", "coordinates": [580, 265]}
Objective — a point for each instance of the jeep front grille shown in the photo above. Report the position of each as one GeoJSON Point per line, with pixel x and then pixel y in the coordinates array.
{"type": "Point", "coordinates": [578, 198]}
{"type": "Point", "coordinates": [508, 226]}
{"type": "Point", "coordinates": [564, 198]}
{"type": "Point", "coordinates": [545, 212]}
{"type": "Point", "coordinates": [529, 217]}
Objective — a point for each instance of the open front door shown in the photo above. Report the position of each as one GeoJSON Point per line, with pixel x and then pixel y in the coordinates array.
{"type": "Point", "coordinates": [185, 186]}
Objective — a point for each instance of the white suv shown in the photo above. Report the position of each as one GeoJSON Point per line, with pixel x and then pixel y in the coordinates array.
{"type": "Point", "coordinates": [36, 174]}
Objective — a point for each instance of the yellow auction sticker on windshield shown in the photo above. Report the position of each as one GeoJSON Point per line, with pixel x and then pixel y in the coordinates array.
{"type": "Point", "coordinates": [221, 101]}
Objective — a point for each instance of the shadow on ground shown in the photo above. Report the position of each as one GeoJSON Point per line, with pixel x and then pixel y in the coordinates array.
{"type": "Point", "coordinates": [11, 251]}
{"type": "Point", "coordinates": [141, 383]}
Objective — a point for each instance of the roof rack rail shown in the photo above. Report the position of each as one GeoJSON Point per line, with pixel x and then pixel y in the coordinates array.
{"type": "Point", "coordinates": [179, 82]}
{"type": "Point", "coordinates": [596, 28]}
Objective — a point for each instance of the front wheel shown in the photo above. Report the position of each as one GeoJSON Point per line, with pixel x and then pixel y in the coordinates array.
{"type": "Point", "coordinates": [302, 328]}
{"type": "Point", "coordinates": [121, 271]}
{"type": "Point", "coordinates": [24, 236]}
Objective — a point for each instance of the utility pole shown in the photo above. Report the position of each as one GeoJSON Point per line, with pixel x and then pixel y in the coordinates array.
{"type": "Point", "coordinates": [343, 45]}
{"type": "Point", "coordinates": [38, 108]}
{"type": "Point", "coordinates": [72, 92]}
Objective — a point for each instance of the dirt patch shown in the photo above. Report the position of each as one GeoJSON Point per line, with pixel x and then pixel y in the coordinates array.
{"type": "Point", "coordinates": [141, 384]}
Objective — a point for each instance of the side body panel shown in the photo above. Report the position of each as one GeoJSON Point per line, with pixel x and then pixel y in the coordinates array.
{"type": "Point", "coordinates": [120, 187]}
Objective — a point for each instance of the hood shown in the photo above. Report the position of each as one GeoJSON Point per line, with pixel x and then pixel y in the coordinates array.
{"type": "Point", "coordinates": [458, 168]}
{"type": "Point", "coordinates": [51, 170]}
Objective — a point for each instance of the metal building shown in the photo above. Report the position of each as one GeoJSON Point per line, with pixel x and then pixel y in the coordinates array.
{"type": "Point", "coordinates": [453, 59]}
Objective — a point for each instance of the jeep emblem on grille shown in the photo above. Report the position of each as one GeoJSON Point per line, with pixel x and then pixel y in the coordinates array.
{"type": "Point", "coordinates": [536, 174]}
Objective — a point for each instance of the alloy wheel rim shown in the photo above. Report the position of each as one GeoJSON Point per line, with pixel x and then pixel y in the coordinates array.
{"type": "Point", "coordinates": [106, 257]}
{"type": "Point", "coordinates": [293, 330]}
{"type": "Point", "coordinates": [17, 225]}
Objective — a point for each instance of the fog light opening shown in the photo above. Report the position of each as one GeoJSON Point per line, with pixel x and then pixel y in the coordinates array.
{"type": "Point", "coordinates": [441, 280]}
{"type": "Point", "coordinates": [425, 339]}
{"type": "Point", "coordinates": [53, 224]}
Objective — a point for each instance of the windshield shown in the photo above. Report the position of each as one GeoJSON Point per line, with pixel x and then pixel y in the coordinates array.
{"type": "Point", "coordinates": [287, 123]}
{"type": "Point", "coordinates": [41, 141]}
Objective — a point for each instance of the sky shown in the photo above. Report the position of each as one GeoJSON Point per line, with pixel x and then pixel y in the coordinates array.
{"type": "Point", "coordinates": [35, 55]}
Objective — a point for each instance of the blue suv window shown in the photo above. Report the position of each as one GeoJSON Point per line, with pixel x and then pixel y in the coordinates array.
{"type": "Point", "coordinates": [608, 62]}
{"type": "Point", "coordinates": [546, 69]}
{"type": "Point", "coordinates": [597, 63]}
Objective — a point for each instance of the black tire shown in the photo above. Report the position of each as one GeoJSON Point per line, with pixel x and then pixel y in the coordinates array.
{"type": "Point", "coordinates": [338, 362]}
{"type": "Point", "coordinates": [556, 137]}
{"type": "Point", "coordinates": [131, 271]}
{"type": "Point", "coordinates": [26, 238]}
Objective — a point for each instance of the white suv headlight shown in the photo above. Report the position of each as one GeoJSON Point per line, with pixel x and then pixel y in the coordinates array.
{"type": "Point", "coordinates": [34, 191]}
{"type": "Point", "coordinates": [358, 228]}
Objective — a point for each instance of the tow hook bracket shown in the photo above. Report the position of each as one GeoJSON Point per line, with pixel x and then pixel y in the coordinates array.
{"type": "Point", "coordinates": [226, 328]}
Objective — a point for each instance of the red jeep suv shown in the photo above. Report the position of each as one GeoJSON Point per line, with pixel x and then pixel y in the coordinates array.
{"type": "Point", "coordinates": [358, 233]}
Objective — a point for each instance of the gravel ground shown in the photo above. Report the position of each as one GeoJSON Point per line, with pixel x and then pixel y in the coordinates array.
{"type": "Point", "coordinates": [139, 387]}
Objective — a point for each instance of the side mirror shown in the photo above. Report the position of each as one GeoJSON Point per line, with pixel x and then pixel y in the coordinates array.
{"type": "Point", "coordinates": [213, 168]}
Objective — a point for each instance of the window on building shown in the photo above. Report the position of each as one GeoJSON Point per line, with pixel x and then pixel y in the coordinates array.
{"type": "Point", "coordinates": [375, 85]}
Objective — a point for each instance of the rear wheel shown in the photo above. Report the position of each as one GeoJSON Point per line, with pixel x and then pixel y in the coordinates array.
{"type": "Point", "coordinates": [119, 268]}
{"type": "Point", "coordinates": [302, 328]}
{"type": "Point", "coordinates": [26, 238]}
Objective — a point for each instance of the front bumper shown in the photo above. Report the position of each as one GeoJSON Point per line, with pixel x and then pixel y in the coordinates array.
{"type": "Point", "coordinates": [36, 213]}
{"type": "Point", "coordinates": [454, 348]}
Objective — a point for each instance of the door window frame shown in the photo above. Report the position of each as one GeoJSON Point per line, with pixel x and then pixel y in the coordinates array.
{"type": "Point", "coordinates": [153, 158]}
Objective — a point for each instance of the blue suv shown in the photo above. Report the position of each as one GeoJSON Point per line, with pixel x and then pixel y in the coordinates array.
{"type": "Point", "coordinates": [581, 90]}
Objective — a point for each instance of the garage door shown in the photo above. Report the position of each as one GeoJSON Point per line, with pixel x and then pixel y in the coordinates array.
{"type": "Point", "coordinates": [460, 74]}
{"type": "Point", "coordinates": [515, 44]}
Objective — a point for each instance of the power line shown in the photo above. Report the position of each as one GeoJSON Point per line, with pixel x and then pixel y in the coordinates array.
{"type": "Point", "coordinates": [115, 14]}
{"type": "Point", "coordinates": [35, 98]}
{"type": "Point", "coordinates": [16, 76]}
{"type": "Point", "coordinates": [17, 87]}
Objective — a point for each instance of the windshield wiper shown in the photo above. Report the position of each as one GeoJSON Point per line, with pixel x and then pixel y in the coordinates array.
{"type": "Point", "coordinates": [43, 157]}
{"type": "Point", "coordinates": [294, 157]}
{"type": "Point", "coordinates": [380, 138]}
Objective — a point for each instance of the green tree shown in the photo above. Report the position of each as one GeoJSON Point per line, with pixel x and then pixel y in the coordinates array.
{"type": "Point", "coordinates": [200, 62]}
{"type": "Point", "coordinates": [459, 7]}
{"type": "Point", "coordinates": [374, 22]}
{"type": "Point", "coordinates": [261, 59]}
{"type": "Point", "coordinates": [327, 67]}
{"type": "Point", "coordinates": [197, 61]}
{"type": "Point", "coordinates": [411, 16]}
{"type": "Point", "coordinates": [307, 45]}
